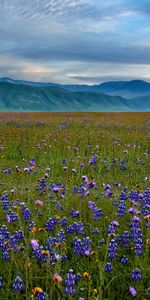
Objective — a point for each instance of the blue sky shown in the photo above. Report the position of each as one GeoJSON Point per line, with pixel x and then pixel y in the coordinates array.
{"type": "Point", "coordinates": [75, 41]}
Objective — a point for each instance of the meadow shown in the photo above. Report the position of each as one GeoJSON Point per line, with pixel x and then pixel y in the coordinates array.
{"type": "Point", "coordinates": [74, 206]}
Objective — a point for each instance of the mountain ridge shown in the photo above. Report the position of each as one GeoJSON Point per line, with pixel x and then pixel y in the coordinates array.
{"type": "Point", "coordinates": [26, 97]}
{"type": "Point", "coordinates": [127, 89]}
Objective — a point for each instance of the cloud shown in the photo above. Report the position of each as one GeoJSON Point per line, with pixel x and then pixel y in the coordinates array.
{"type": "Point", "coordinates": [53, 38]}
{"type": "Point", "coordinates": [33, 9]}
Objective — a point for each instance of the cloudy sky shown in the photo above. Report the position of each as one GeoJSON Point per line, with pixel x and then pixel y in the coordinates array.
{"type": "Point", "coordinates": [75, 41]}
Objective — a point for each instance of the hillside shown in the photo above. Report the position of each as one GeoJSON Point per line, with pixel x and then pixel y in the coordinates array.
{"type": "Point", "coordinates": [24, 97]}
{"type": "Point", "coordinates": [126, 89]}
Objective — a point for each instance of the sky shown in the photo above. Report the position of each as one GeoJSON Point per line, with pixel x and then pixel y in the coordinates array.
{"type": "Point", "coordinates": [75, 41]}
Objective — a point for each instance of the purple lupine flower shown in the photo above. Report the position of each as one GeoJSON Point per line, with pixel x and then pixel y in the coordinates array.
{"type": "Point", "coordinates": [74, 213]}
{"type": "Point", "coordinates": [82, 164]}
{"type": "Point", "coordinates": [1, 281]}
{"type": "Point", "coordinates": [108, 267]}
{"type": "Point", "coordinates": [112, 249]}
{"type": "Point", "coordinates": [136, 219]}
{"type": "Point", "coordinates": [26, 213]}
{"type": "Point", "coordinates": [32, 162]}
{"type": "Point", "coordinates": [18, 284]}
{"type": "Point", "coordinates": [136, 275]}
{"type": "Point", "coordinates": [70, 283]}
{"type": "Point", "coordinates": [56, 189]}
{"type": "Point", "coordinates": [91, 204]}
{"type": "Point", "coordinates": [65, 168]}
{"type": "Point", "coordinates": [41, 296]}
{"type": "Point", "coordinates": [124, 260]}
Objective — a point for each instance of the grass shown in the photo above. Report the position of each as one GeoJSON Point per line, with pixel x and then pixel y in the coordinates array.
{"type": "Point", "coordinates": [107, 148]}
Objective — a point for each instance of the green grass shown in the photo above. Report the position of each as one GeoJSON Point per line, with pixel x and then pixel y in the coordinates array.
{"type": "Point", "coordinates": [49, 139]}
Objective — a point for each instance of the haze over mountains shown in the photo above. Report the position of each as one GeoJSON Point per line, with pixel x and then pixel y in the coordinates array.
{"type": "Point", "coordinates": [19, 95]}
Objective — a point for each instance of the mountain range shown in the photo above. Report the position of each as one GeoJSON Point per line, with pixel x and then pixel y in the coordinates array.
{"type": "Point", "coordinates": [19, 95]}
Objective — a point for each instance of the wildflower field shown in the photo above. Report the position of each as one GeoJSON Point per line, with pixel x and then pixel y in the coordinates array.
{"type": "Point", "coordinates": [74, 206]}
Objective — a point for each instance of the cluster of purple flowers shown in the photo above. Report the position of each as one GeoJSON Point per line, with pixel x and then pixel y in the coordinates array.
{"type": "Point", "coordinates": [124, 260]}
{"type": "Point", "coordinates": [85, 187]}
{"type": "Point", "coordinates": [136, 235]}
{"type": "Point", "coordinates": [41, 296]}
{"type": "Point", "coordinates": [126, 239]}
{"type": "Point", "coordinates": [112, 249]}
{"type": "Point", "coordinates": [123, 165]}
{"type": "Point", "coordinates": [136, 275]}
{"type": "Point", "coordinates": [82, 246]}
{"type": "Point", "coordinates": [11, 216]}
{"type": "Point", "coordinates": [5, 201]}
{"type": "Point", "coordinates": [7, 171]}
{"type": "Point", "coordinates": [74, 213]}
{"type": "Point", "coordinates": [1, 281]}
{"type": "Point", "coordinates": [108, 267]}
{"type": "Point", "coordinates": [112, 227]}
{"type": "Point", "coordinates": [97, 212]}
{"type": "Point", "coordinates": [32, 225]}
{"type": "Point", "coordinates": [57, 205]}
{"type": "Point", "coordinates": [76, 227]}
{"type": "Point", "coordinates": [93, 160]}
{"type": "Point", "coordinates": [18, 284]}
{"type": "Point", "coordinates": [26, 213]}
{"type": "Point", "coordinates": [8, 241]}
{"type": "Point", "coordinates": [121, 209]}
{"type": "Point", "coordinates": [108, 191]}
{"type": "Point", "coordinates": [144, 200]}
{"type": "Point", "coordinates": [42, 185]}
{"type": "Point", "coordinates": [51, 223]}
{"type": "Point", "coordinates": [70, 282]}
{"type": "Point", "coordinates": [57, 188]}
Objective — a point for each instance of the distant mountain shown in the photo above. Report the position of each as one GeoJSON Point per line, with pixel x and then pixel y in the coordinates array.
{"type": "Point", "coordinates": [10, 80]}
{"type": "Point", "coordinates": [127, 89]}
{"type": "Point", "coordinates": [26, 97]}
{"type": "Point", "coordinates": [141, 103]}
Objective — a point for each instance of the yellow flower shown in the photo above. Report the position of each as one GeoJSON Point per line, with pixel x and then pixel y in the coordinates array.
{"type": "Point", "coordinates": [16, 207]}
{"type": "Point", "coordinates": [34, 229]}
{"type": "Point", "coordinates": [6, 243]}
{"type": "Point", "coordinates": [137, 185]}
{"type": "Point", "coordinates": [86, 275]}
{"type": "Point", "coordinates": [146, 217]}
{"type": "Point", "coordinates": [29, 265]}
{"type": "Point", "coordinates": [93, 253]}
{"type": "Point", "coordinates": [37, 290]}
{"type": "Point", "coordinates": [41, 229]}
{"type": "Point", "coordinates": [112, 235]}
{"type": "Point", "coordinates": [95, 291]}
{"type": "Point", "coordinates": [148, 241]}
{"type": "Point", "coordinates": [58, 245]}
{"type": "Point", "coordinates": [45, 252]}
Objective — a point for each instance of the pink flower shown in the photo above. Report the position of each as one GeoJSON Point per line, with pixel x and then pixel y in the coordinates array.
{"type": "Point", "coordinates": [133, 291]}
{"type": "Point", "coordinates": [34, 244]}
{"type": "Point", "coordinates": [115, 223]}
{"type": "Point", "coordinates": [57, 277]}
{"type": "Point", "coordinates": [87, 252]}
{"type": "Point", "coordinates": [39, 202]}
